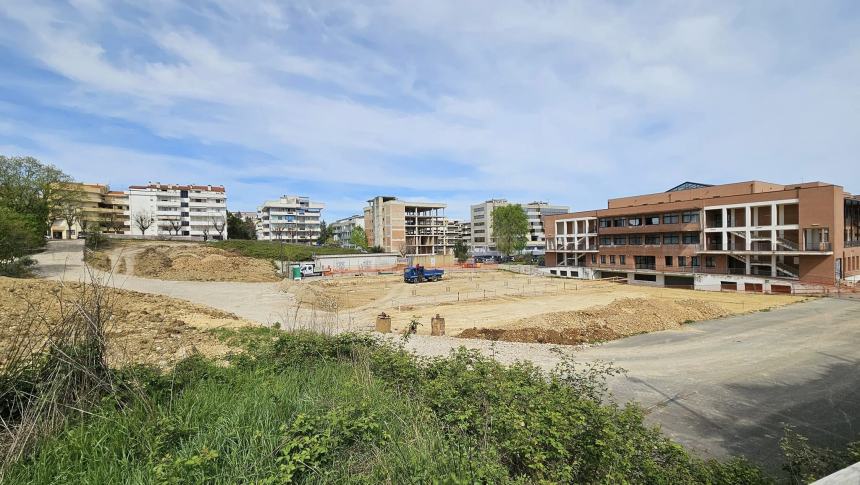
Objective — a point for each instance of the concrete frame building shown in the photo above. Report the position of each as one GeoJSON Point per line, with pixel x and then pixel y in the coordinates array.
{"type": "Point", "coordinates": [99, 209]}
{"type": "Point", "coordinates": [291, 218]}
{"type": "Point", "coordinates": [753, 236]}
{"type": "Point", "coordinates": [196, 210]}
{"type": "Point", "coordinates": [405, 227]}
{"type": "Point", "coordinates": [482, 241]}
{"type": "Point", "coordinates": [341, 229]}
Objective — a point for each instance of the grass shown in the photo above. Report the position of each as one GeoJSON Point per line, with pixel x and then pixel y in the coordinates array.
{"type": "Point", "coordinates": [271, 250]}
{"type": "Point", "coordinates": [308, 408]}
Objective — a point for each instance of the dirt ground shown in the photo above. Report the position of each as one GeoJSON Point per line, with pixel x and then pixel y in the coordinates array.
{"type": "Point", "coordinates": [499, 305]}
{"type": "Point", "coordinates": [144, 328]}
{"type": "Point", "coordinates": [183, 262]}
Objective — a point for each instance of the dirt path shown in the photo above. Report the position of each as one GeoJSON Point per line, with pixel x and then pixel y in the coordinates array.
{"type": "Point", "coordinates": [262, 302]}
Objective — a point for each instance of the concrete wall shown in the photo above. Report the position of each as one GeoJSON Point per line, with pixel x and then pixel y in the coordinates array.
{"type": "Point", "coordinates": [357, 262]}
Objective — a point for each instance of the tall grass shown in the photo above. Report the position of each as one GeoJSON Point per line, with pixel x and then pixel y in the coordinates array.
{"type": "Point", "coordinates": [55, 368]}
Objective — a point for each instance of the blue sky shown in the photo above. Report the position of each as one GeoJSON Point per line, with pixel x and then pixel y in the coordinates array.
{"type": "Point", "coordinates": [452, 101]}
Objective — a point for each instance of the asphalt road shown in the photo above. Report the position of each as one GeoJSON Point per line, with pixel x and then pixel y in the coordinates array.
{"type": "Point", "coordinates": [721, 387]}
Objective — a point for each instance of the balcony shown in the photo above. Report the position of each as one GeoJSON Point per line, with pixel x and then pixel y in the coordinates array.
{"type": "Point", "coordinates": [818, 247]}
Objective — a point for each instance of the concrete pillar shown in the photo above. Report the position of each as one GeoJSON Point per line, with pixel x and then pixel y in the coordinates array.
{"type": "Point", "coordinates": [437, 326]}
{"type": "Point", "coordinates": [773, 223]}
{"type": "Point", "coordinates": [724, 226]}
{"type": "Point", "coordinates": [383, 323]}
{"type": "Point", "coordinates": [748, 266]}
{"type": "Point", "coordinates": [773, 265]}
{"type": "Point", "coordinates": [748, 223]}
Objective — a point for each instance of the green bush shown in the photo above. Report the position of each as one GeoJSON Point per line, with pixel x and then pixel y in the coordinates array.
{"type": "Point", "coordinates": [303, 407]}
{"type": "Point", "coordinates": [806, 463]}
{"type": "Point", "coordinates": [273, 250]}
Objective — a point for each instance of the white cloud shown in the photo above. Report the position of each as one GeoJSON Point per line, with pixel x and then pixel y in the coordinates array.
{"type": "Point", "coordinates": [571, 102]}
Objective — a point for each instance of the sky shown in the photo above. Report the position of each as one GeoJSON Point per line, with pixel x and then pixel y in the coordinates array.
{"type": "Point", "coordinates": [449, 101]}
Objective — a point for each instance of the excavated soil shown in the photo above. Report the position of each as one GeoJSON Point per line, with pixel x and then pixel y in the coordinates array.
{"type": "Point", "coordinates": [621, 318]}
{"type": "Point", "coordinates": [143, 328]}
{"type": "Point", "coordinates": [333, 294]}
{"type": "Point", "coordinates": [201, 263]}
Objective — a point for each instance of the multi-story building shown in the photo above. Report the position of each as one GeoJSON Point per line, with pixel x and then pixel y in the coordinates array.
{"type": "Point", "coordinates": [292, 218]}
{"type": "Point", "coordinates": [482, 226]}
{"type": "Point", "coordinates": [160, 209]}
{"type": "Point", "coordinates": [456, 231]}
{"type": "Point", "coordinates": [405, 227]}
{"type": "Point", "coordinates": [341, 230]}
{"type": "Point", "coordinates": [535, 211]}
{"type": "Point", "coordinates": [482, 241]}
{"type": "Point", "coordinates": [97, 209]}
{"type": "Point", "coordinates": [753, 236]}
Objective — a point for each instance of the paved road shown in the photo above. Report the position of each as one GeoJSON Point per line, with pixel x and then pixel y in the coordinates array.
{"type": "Point", "coordinates": [722, 387]}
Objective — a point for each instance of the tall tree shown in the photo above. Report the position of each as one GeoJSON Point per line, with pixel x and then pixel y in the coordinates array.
{"type": "Point", "coordinates": [461, 250]}
{"type": "Point", "coordinates": [35, 191]}
{"type": "Point", "coordinates": [510, 229]}
{"type": "Point", "coordinates": [358, 238]}
{"type": "Point", "coordinates": [325, 232]}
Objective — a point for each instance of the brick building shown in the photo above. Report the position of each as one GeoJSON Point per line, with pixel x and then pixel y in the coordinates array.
{"type": "Point", "coordinates": [753, 235]}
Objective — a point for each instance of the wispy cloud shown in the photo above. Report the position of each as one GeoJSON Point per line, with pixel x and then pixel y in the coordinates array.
{"type": "Point", "coordinates": [571, 102]}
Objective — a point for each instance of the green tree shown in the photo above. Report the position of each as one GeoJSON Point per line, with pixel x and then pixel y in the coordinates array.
{"type": "Point", "coordinates": [358, 238]}
{"type": "Point", "coordinates": [325, 232]}
{"type": "Point", "coordinates": [18, 238]}
{"type": "Point", "coordinates": [510, 229]}
{"type": "Point", "coordinates": [461, 250]}
{"type": "Point", "coordinates": [35, 191]}
{"type": "Point", "coordinates": [238, 228]}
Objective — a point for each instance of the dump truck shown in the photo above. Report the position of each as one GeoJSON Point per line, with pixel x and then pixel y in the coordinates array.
{"type": "Point", "coordinates": [420, 274]}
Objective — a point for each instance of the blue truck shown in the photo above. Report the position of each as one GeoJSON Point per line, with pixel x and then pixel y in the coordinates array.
{"type": "Point", "coordinates": [419, 274]}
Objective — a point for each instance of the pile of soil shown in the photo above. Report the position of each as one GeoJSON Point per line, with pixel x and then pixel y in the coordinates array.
{"type": "Point", "coordinates": [201, 263]}
{"type": "Point", "coordinates": [621, 318]}
{"type": "Point", "coordinates": [98, 260]}
{"type": "Point", "coordinates": [143, 328]}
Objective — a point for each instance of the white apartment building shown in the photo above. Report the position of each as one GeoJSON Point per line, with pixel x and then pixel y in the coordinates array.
{"type": "Point", "coordinates": [482, 242]}
{"type": "Point", "coordinates": [456, 231]}
{"type": "Point", "coordinates": [291, 218]}
{"type": "Point", "coordinates": [341, 229]}
{"type": "Point", "coordinates": [180, 210]}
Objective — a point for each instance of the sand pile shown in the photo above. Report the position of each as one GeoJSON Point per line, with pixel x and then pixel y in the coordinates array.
{"type": "Point", "coordinates": [201, 263]}
{"type": "Point", "coordinates": [144, 328]}
{"type": "Point", "coordinates": [621, 318]}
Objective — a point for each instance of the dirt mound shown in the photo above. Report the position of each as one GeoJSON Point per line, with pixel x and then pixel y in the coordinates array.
{"type": "Point", "coordinates": [621, 318]}
{"type": "Point", "coordinates": [144, 328]}
{"type": "Point", "coordinates": [201, 263]}
{"type": "Point", "coordinates": [98, 260]}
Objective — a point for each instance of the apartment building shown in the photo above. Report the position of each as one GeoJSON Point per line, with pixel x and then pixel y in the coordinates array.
{"type": "Point", "coordinates": [456, 231]}
{"type": "Point", "coordinates": [341, 229]}
{"type": "Point", "coordinates": [752, 236]}
{"type": "Point", "coordinates": [482, 241]}
{"type": "Point", "coordinates": [160, 209]}
{"type": "Point", "coordinates": [97, 209]}
{"type": "Point", "coordinates": [405, 227]}
{"type": "Point", "coordinates": [291, 218]}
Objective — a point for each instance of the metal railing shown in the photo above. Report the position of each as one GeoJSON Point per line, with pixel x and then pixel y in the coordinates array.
{"type": "Point", "coordinates": [820, 246]}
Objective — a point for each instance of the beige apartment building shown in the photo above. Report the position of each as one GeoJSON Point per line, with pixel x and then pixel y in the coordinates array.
{"type": "Point", "coordinates": [751, 236]}
{"type": "Point", "coordinates": [409, 228]}
{"type": "Point", "coordinates": [98, 209]}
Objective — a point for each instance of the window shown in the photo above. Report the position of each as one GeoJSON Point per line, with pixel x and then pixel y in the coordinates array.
{"type": "Point", "coordinates": [619, 240]}
{"type": "Point", "coordinates": [612, 259]}
{"type": "Point", "coordinates": [602, 259]}
{"type": "Point", "coordinates": [593, 259]}
{"type": "Point", "coordinates": [691, 238]}
{"type": "Point", "coordinates": [605, 223]}
{"type": "Point", "coordinates": [694, 261]}
{"type": "Point", "coordinates": [620, 222]}
{"type": "Point", "coordinates": [634, 221]}
{"type": "Point", "coordinates": [652, 240]}
{"type": "Point", "coordinates": [668, 261]}
{"type": "Point", "coordinates": [670, 219]}
{"type": "Point", "coordinates": [605, 241]}
{"type": "Point", "coordinates": [652, 220]}
{"type": "Point", "coordinates": [634, 240]}
{"type": "Point", "coordinates": [690, 217]}
{"type": "Point", "coordinates": [709, 262]}
{"type": "Point", "coordinates": [623, 259]}
{"type": "Point", "coordinates": [682, 261]}
{"type": "Point", "coordinates": [671, 239]}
